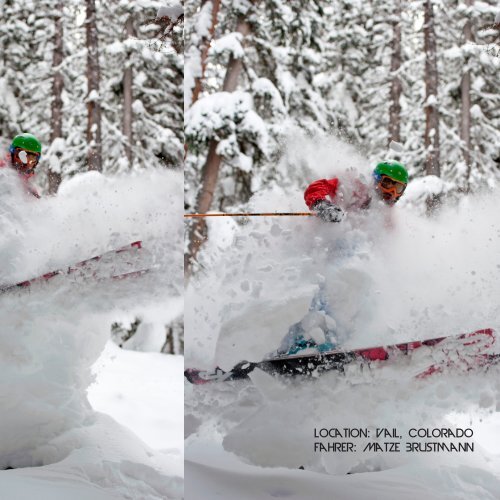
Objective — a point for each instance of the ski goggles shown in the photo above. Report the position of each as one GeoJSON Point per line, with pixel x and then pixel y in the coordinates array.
{"type": "Point", "coordinates": [388, 184]}
{"type": "Point", "coordinates": [27, 157]}
{"type": "Point", "coordinates": [29, 160]}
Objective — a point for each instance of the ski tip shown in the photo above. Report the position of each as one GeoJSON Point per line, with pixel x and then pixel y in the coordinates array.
{"type": "Point", "coordinates": [198, 377]}
{"type": "Point", "coordinates": [193, 376]}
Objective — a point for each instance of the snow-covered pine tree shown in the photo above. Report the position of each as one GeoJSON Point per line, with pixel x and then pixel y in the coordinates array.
{"type": "Point", "coordinates": [201, 26]}
{"type": "Point", "coordinates": [24, 68]}
{"type": "Point", "coordinates": [465, 89]}
{"type": "Point", "coordinates": [289, 85]}
{"type": "Point", "coordinates": [468, 101]}
{"type": "Point", "coordinates": [128, 96]}
{"type": "Point", "coordinates": [69, 153]}
{"type": "Point", "coordinates": [485, 102]}
{"type": "Point", "coordinates": [141, 79]}
{"type": "Point", "coordinates": [369, 61]}
{"type": "Point", "coordinates": [56, 111]}
{"type": "Point", "coordinates": [395, 77]}
{"type": "Point", "coordinates": [277, 91]}
{"type": "Point", "coordinates": [27, 98]}
{"type": "Point", "coordinates": [224, 124]}
{"type": "Point", "coordinates": [12, 62]}
{"type": "Point", "coordinates": [93, 97]}
{"type": "Point", "coordinates": [431, 137]}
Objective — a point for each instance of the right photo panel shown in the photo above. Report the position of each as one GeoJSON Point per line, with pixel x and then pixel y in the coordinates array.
{"type": "Point", "coordinates": [342, 242]}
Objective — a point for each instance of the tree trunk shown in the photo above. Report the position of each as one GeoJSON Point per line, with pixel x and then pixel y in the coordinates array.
{"type": "Point", "coordinates": [94, 151]}
{"type": "Point", "coordinates": [168, 346]}
{"type": "Point", "coordinates": [57, 87]}
{"type": "Point", "coordinates": [209, 174]}
{"type": "Point", "coordinates": [396, 88]}
{"type": "Point", "coordinates": [128, 98]}
{"type": "Point", "coordinates": [431, 138]}
{"type": "Point", "coordinates": [205, 45]}
{"type": "Point", "coordinates": [466, 102]}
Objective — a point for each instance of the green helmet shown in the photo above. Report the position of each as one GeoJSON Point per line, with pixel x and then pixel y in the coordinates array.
{"type": "Point", "coordinates": [26, 141]}
{"type": "Point", "coordinates": [392, 169]}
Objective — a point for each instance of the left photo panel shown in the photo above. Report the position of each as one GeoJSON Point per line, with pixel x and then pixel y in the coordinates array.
{"type": "Point", "coordinates": [91, 239]}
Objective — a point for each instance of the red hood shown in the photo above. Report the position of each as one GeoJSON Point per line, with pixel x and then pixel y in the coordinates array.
{"type": "Point", "coordinates": [5, 162]}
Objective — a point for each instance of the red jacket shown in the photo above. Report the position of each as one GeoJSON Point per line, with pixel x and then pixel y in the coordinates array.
{"type": "Point", "coordinates": [347, 193]}
{"type": "Point", "coordinates": [26, 183]}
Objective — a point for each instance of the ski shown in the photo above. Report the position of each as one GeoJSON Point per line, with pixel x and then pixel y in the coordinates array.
{"type": "Point", "coordinates": [468, 348]}
{"type": "Point", "coordinates": [81, 267]}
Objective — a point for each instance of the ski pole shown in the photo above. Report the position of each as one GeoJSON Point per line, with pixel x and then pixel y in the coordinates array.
{"type": "Point", "coordinates": [263, 214]}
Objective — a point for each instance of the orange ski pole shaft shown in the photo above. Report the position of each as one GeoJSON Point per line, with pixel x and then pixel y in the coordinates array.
{"type": "Point", "coordinates": [260, 214]}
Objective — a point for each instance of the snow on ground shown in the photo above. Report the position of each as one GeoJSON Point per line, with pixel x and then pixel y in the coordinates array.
{"type": "Point", "coordinates": [143, 391]}
{"type": "Point", "coordinates": [223, 476]}
{"type": "Point", "coordinates": [52, 334]}
{"type": "Point", "coordinates": [419, 278]}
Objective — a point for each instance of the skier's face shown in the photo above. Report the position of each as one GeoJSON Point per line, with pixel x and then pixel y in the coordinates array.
{"type": "Point", "coordinates": [389, 189]}
{"type": "Point", "coordinates": [25, 161]}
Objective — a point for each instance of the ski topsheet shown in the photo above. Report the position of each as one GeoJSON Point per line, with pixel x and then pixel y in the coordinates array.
{"type": "Point", "coordinates": [470, 347]}
{"type": "Point", "coordinates": [86, 268]}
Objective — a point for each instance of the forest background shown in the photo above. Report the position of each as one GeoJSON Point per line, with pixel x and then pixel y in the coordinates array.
{"type": "Point", "coordinates": [262, 74]}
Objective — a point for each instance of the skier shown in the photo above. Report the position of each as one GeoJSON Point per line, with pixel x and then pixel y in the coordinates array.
{"type": "Point", "coordinates": [331, 200]}
{"type": "Point", "coordinates": [24, 155]}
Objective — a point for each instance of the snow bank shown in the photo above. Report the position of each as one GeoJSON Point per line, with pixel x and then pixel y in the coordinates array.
{"type": "Point", "coordinates": [144, 392]}
{"type": "Point", "coordinates": [217, 474]}
{"type": "Point", "coordinates": [104, 461]}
